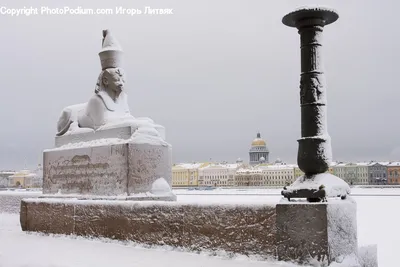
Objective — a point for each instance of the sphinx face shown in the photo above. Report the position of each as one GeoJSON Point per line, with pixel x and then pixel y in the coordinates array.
{"type": "Point", "coordinates": [116, 82]}
{"type": "Point", "coordinates": [113, 81]}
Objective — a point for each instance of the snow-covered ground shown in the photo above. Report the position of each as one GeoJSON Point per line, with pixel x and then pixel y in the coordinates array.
{"type": "Point", "coordinates": [378, 218]}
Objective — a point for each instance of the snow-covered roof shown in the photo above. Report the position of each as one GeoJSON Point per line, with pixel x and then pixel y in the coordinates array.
{"type": "Point", "coordinates": [243, 171]}
{"type": "Point", "coordinates": [6, 172]}
{"type": "Point", "coordinates": [275, 167]}
{"type": "Point", "coordinates": [292, 165]}
{"type": "Point", "coordinates": [222, 166]}
{"type": "Point", "coordinates": [395, 163]}
{"type": "Point", "coordinates": [189, 165]}
{"type": "Point", "coordinates": [22, 174]}
{"type": "Point", "coordinates": [362, 163]}
{"type": "Point", "coordinates": [372, 163]}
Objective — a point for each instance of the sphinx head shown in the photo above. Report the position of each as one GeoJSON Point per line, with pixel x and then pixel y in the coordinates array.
{"type": "Point", "coordinates": [112, 81]}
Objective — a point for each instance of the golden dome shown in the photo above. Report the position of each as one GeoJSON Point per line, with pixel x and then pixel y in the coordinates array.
{"type": "Point", "coordinates": [258, 141]}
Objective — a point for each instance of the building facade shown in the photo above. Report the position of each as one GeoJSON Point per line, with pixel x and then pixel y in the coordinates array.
{"type": "Point", "coordinates": [258, 152]}
{"type": "Point", "coordinates": [24, 179]}
{"type": "Point", "coordinates": [393, 173]}
{"type": "Point", "coordinates": [362, 173]}
{"type": "Point", "coordinates": [249, 178]}
{"type": "Point", "coordinates": [217, 175]}
{"type": "Point", "coordinates": [186, 174]}
{"type": "Point", "coordinates": [5, 178]}
{"type": "Point", "coordinates": [297, 171]}
{"type": "Point", "coordinates": [377, 173]}
{"type": "Point", "coordinates": [278, 175]}
{"type": "Point", "coordinates": [352, 173]}
{"type": "Point", "coordinates": [266, 175]}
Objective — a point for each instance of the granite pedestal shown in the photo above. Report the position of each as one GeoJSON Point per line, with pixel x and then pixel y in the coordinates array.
{"type": "Point", "coordinates": [323, 232]}
{"type": "Point", "coordinates": [106, 170]}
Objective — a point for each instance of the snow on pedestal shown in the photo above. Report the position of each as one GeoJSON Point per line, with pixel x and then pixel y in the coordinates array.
{"type": "Point", "coordinates": [160, 187]}
{"type": "Point", "coordinates": [333, 186]}
{"type": "Point", "coordinates": [368, 256]}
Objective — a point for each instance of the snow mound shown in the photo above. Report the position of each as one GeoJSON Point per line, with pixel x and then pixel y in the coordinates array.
{"type": "Point", "coordinates": [160, 187]}
{"type": "Point", "coordinates": [147, 135]}
{"type": "Point", "coordinates": [368, 256]}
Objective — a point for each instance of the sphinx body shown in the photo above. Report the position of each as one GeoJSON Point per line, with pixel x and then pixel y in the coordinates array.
{"type": "Point", "coordinates": [108, 105]}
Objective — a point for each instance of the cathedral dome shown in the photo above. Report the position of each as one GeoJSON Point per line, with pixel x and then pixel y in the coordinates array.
{"type": "Point", "coordinates": [258, 141]}
{"type": "Point", "coordinates": [258, 152]}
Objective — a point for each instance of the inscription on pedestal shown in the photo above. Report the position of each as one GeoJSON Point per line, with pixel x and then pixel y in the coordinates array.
{"type": "Point", "coordinates": [96, 170]}
{"type": "Point", "coordinates": [122, 169]}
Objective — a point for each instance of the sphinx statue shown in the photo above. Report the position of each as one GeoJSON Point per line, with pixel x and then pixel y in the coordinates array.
{"type": "Point", "coordinates": [101, 149]}
{"type": "Point", "coordinates": [109, 103]}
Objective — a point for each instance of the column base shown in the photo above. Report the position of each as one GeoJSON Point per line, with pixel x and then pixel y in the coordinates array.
{"type": "Point", "coordinates": [317, 187]}
{"type": "Point", "coordinates": [317, 232]}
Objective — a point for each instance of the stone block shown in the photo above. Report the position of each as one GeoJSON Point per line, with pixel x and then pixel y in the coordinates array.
{"type": "Point", "coordinates": [106, 170]}
{"type": "Point", "coordinates": [323, 232]}
{"type": "Point", "coordinates": [50, 218]}
{"type": "Point", "coordinates": [242, 229]}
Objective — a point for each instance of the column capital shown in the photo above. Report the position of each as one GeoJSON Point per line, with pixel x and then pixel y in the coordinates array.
{"type": "Point", "coordinates": [310, 16]}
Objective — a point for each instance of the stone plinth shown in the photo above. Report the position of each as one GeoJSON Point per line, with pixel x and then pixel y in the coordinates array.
{"type": "Point", "coordinates": [243, 229]}
{"type": "Point", "coordinates": [106, 170]}
{"type": "Point", "coordinates": [325, 232]}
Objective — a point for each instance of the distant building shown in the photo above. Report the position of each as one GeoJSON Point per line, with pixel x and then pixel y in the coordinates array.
{"type": "Point", "coordinates": [362, 173]}
{"type": "Point", "coordinates": [24, 179]}
{"type": "Point", "coordinates": [248, 177]}
{"type": "Point", "coordinates": [186, 174]}
{"type": "Point", "coordinates": [258, 151]}
{"type": "Point", "coordinates": [331, 170]}
{"type": "Point", "coordinates": [5, 178]}
{"type": "Point", "coordinates": [393, 173]}
{"type": "Point", "coordinates": [278, 174]}
{"type": "Point", "coordinates": [377, 173]}
{"type": "Point", "coordinates": [218, 175]}
{"type": "Point", "coordinates": [297, 171]}
{"type": "Point", "coordinates": [352, 173]}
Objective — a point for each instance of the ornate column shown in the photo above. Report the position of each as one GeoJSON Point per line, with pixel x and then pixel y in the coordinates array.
{"type": "Point", "coordinates": [325, 232]}
{"type": "Point", "coordinates": [315, 153]}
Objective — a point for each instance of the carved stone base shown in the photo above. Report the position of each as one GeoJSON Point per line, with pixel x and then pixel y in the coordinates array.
{"type": "Point", "coordinates": [122, 169]}
{"type": "Point", "coordinates": [323, 232]}
{"type": "Point", "coordinates": [317, 187]}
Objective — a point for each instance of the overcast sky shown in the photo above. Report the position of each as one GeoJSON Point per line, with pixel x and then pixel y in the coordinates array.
{"type": "Point", "coordinates": [213, 73]}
